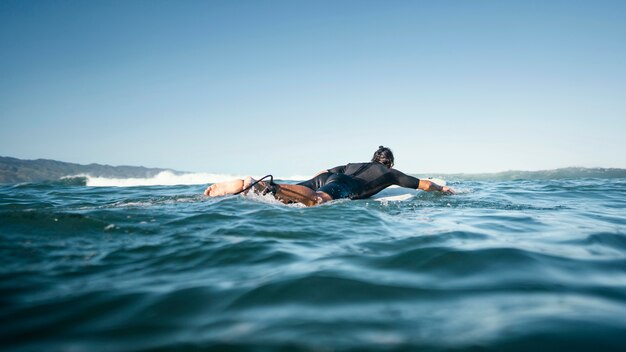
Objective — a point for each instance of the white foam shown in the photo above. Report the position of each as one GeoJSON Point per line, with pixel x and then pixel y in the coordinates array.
{"type": "Point", "coordinates": [168, 178]}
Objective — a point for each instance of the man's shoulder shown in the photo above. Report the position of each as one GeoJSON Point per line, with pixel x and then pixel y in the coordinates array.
{"type": "Point", "coordinates": [360, 164]}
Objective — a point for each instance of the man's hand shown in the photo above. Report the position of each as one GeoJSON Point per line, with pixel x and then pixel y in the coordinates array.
{"type": "Point", "coordinates": [429, 186]}
{"type": "Point", "coordinates": [447, 190]}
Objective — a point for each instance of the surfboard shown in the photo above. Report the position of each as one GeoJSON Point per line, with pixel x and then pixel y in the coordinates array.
{"type": "Point", "coordinates": [394, 194]}
{"type": "Point", "coordinates": [397, 193]}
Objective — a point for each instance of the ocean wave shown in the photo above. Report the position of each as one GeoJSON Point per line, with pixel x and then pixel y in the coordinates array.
{"type": "Point", "coordinates": [509, 265]}
{"type": "Point", "coordinates": [164, 178]}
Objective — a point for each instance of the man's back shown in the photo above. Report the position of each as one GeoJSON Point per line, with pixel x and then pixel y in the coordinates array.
{"type": "Point", "coordinates": [374, 177]}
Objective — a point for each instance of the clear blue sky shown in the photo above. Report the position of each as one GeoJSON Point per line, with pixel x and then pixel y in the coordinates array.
{"type": "Point", "coordinates": [292, 87]}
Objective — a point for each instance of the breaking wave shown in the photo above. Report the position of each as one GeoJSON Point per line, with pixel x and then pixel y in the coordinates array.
{"type": "Point", "coordinates": [164, 178]}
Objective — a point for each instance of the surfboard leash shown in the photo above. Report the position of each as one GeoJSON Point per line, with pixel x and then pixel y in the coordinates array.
{"type": "Point", "coordinates": [271, 188]}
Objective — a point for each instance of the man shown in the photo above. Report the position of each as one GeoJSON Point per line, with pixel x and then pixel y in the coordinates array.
{"type": "Point", "coordinates": [354, 181]}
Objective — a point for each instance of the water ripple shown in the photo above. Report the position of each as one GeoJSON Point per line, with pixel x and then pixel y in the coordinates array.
{"type": "Point", "coordinates": [505, 265]}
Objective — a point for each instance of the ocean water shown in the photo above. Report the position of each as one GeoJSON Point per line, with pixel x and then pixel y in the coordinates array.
{"type": "Point", "coordinates": [505, 265]}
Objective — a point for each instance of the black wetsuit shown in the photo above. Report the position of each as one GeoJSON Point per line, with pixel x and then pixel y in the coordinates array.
{"type": "Point", "coordinates": [360, 180]}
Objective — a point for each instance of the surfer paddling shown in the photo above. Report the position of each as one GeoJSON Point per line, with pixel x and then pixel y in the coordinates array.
{"type": "Point", "coordinates": [353, 181]}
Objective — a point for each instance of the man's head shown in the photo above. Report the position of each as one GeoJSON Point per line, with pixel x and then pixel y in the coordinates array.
{"type": "Point", "coordinates": [384, 156]}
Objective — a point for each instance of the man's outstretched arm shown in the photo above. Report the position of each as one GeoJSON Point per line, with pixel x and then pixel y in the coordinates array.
{"type": "Point", "coordinates": [404, 180]}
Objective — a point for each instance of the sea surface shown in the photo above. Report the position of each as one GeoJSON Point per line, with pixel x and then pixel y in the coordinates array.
{"type": "Point", "coordinates": [504, 265]}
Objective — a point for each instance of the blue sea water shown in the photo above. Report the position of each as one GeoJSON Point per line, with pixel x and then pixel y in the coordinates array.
{"type": "Point", "coordinates": [505, 265]}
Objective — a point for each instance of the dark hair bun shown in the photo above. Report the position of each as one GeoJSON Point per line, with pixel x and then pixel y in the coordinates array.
{"type": "Point", "coordinates": [384, 156]}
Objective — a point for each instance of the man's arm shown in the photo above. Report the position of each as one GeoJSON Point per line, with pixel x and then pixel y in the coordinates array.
{"type": "Point", "coordinates": [407, 181]}
{"type": "Point", "coordinates": [430, 186]}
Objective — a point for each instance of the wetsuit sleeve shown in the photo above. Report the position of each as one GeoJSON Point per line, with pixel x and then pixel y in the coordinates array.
{"type": "Point", "coordinates": [338, 169]}
{"type": "Point", "coordinates": [404, 180]}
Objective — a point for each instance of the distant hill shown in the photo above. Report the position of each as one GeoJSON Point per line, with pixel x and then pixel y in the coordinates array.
{"type": "Point", "coordinates": [14, 170]}
{"type": "Point", "coordinates": [554, 174]}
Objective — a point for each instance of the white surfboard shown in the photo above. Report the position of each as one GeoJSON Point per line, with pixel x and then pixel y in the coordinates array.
{"type": "Point", "coordinates": [394, 194]}
{"type": "Point", "coordinates": [397, 193]}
